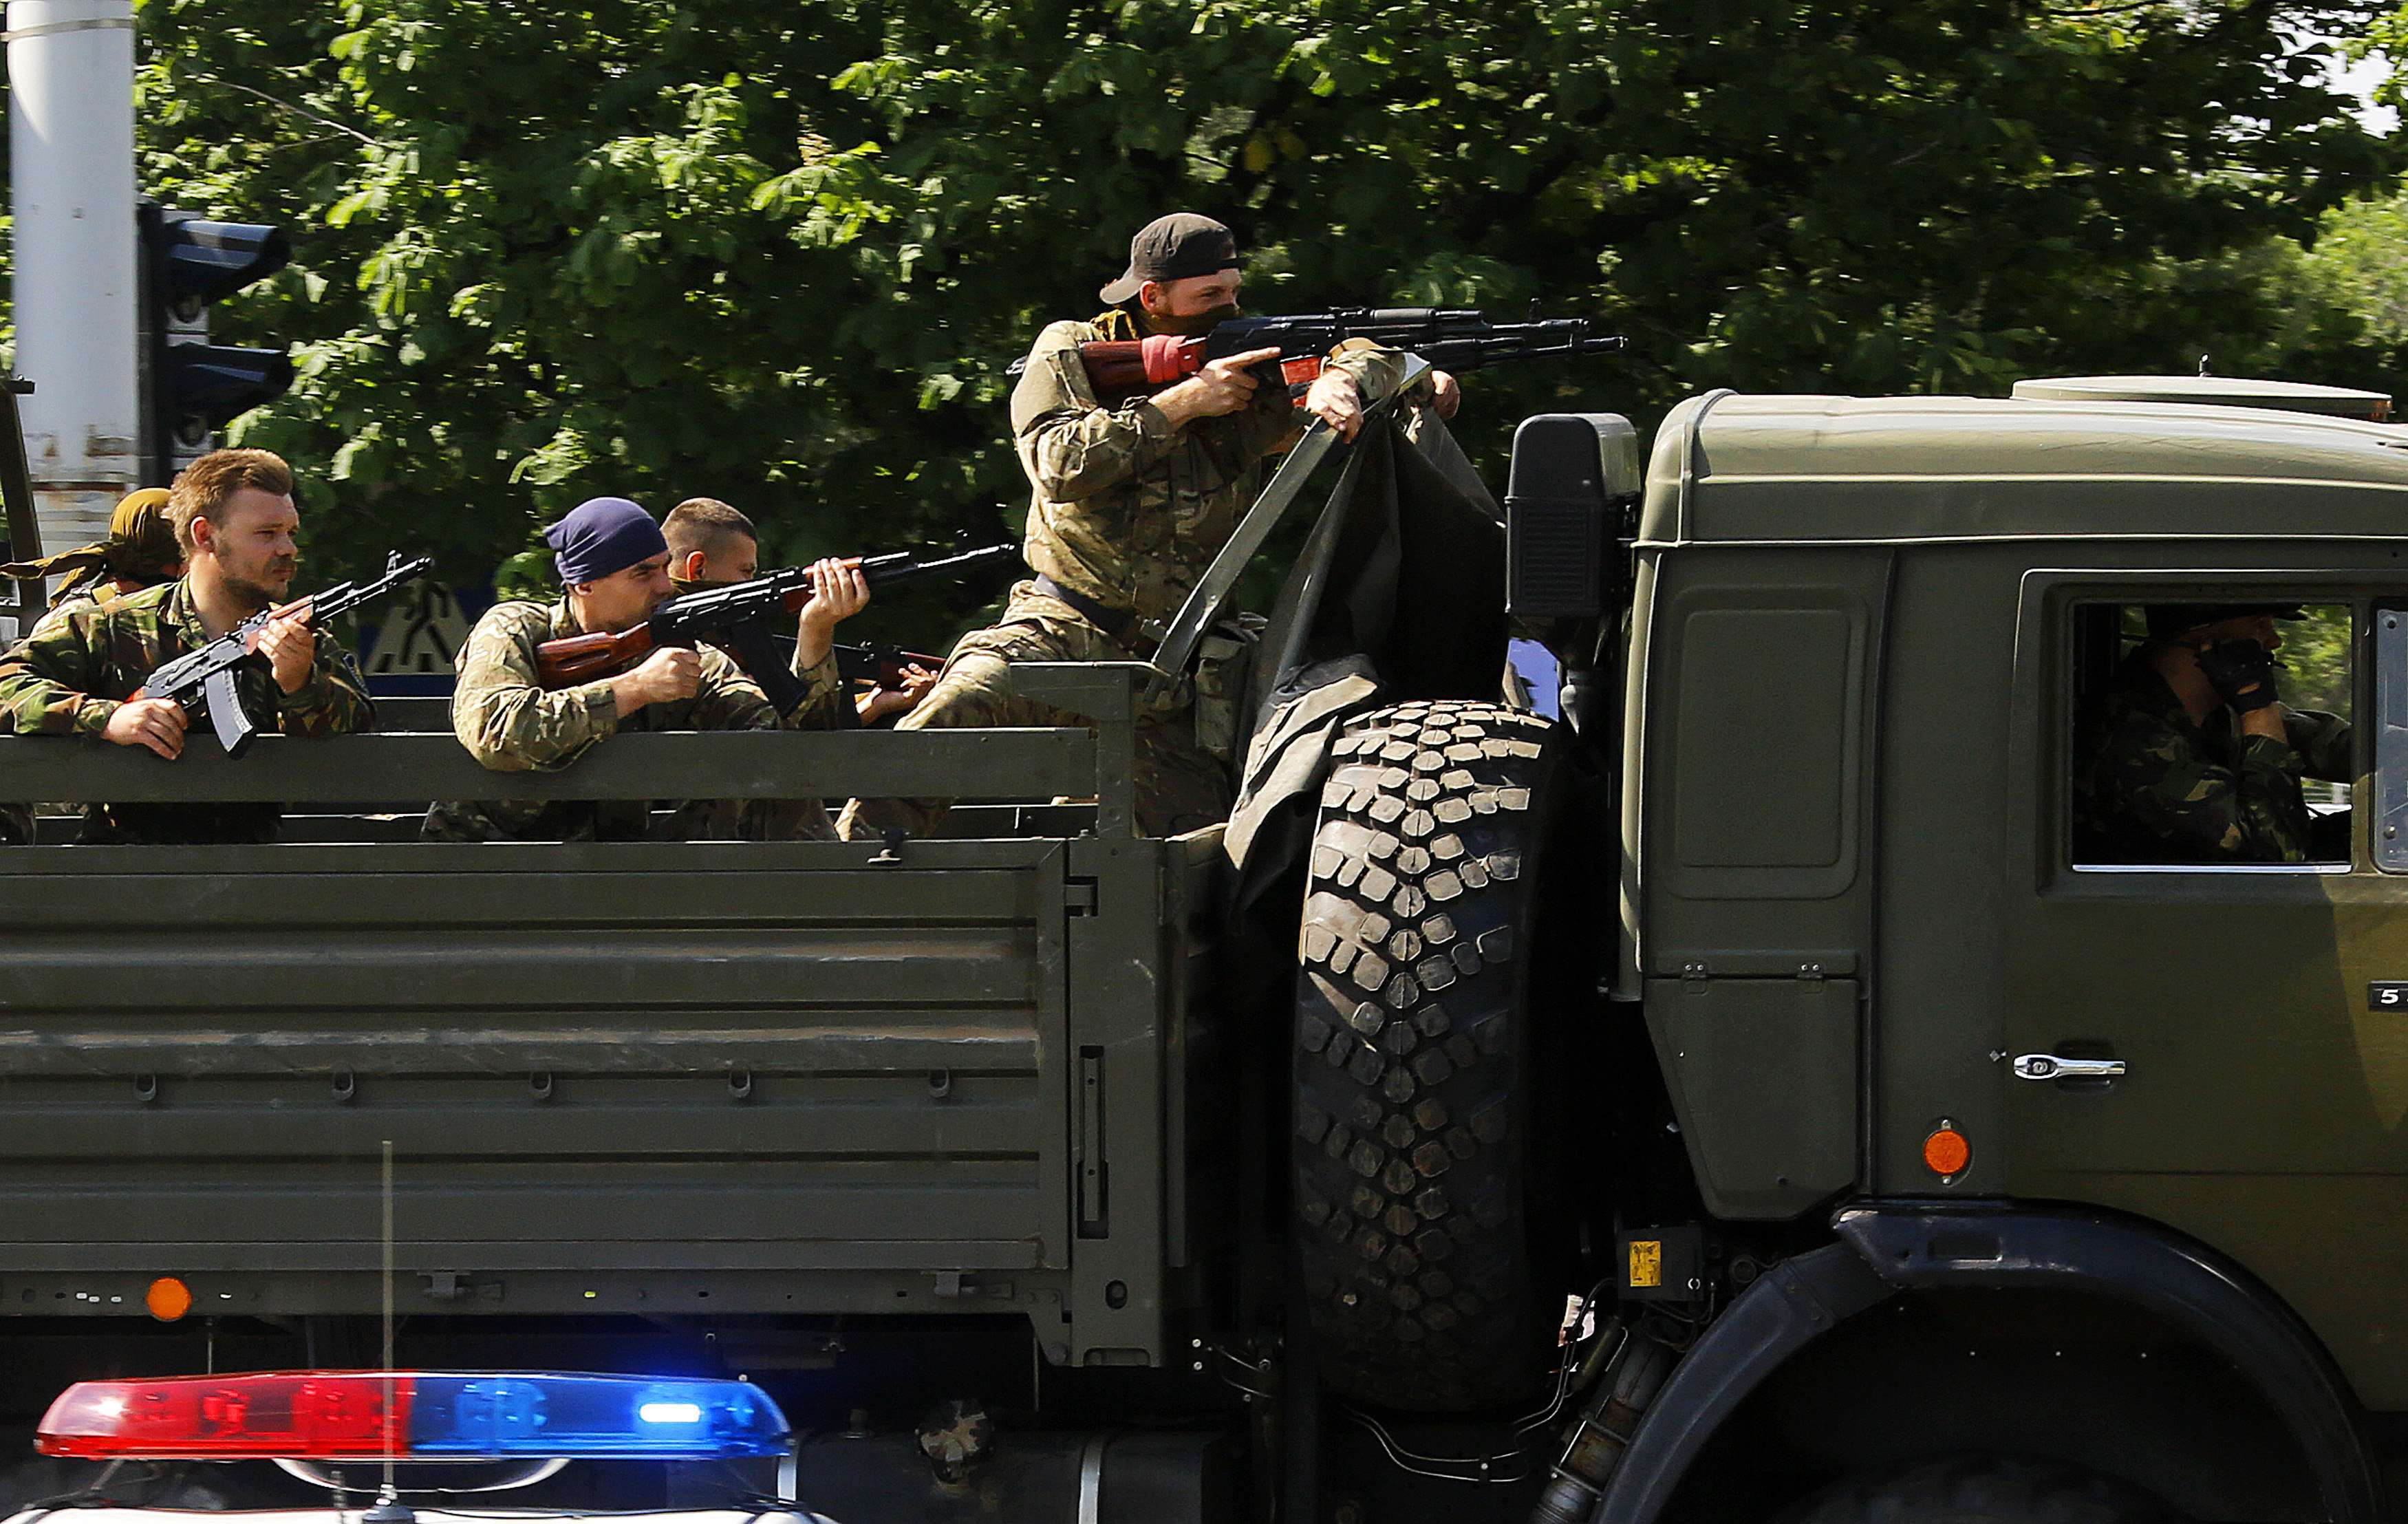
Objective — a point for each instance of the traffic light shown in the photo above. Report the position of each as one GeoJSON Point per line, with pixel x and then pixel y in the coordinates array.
{"type": "Point", "coordinates": [189, 385]}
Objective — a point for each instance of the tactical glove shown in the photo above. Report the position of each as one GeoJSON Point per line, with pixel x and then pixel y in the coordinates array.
{"type": "Point", "coordinates": [2231, 666]}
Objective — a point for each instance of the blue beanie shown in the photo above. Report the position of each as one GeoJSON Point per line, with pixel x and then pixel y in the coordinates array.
{"type": "Point", "coordinates": [600, 536]}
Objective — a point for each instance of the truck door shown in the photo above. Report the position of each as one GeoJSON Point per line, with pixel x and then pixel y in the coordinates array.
{"type": "Point", "coordinates": [2213, 1045]}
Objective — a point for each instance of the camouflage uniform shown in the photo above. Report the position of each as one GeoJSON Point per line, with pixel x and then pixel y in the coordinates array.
{"type": "Point", "coordinates": [90, 595]}
{"type": "Point", "coordinates": [139, 552]}
{"type": "Point", "coordinates": [17, 820]}
{"type": "Point", "coordinates": [2151, 787]}
{"type": "Point", "coordinates": [1128, 511]}
{"type": "Point", "coordinates": [502, 714]}
{"type": "Point", "coordinates": [69, 676]}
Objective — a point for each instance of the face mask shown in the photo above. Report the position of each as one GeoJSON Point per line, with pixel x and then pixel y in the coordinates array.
{"type": "Point", "coordinates": [1193, 324]}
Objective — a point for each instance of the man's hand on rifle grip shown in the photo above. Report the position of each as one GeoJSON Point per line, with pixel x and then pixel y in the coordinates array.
{"type": "Point", "coordinates": [290, 646]}
{"type": "Point", "coordinates": [1224, 386]}
{"type": "Point", "coordinates": [155, 723]}
{"type": "Point", "coordinates": [665, 676]}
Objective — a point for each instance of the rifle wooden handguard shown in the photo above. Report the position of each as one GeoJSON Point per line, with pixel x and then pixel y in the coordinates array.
{"type": "Point", "coordinates": [1133, 365]}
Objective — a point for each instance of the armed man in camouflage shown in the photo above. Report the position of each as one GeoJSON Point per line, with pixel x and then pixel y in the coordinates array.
{"type": "Point", "coordinates": [1132, 498]}
{"type": "Point", "coordinates": [614, 571]}
{"type": "Point", "coordinates": [712, 544]}
{"type": "Point", "coordinates": [139, 552]}
{"type": "Point", "coordinates": [233, 518]}
{"type": "Point", "coordinates": [2188, 756]}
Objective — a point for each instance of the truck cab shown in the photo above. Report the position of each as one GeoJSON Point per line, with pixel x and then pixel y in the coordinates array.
{"type": "Point", "coordinates": [1998, 1148]}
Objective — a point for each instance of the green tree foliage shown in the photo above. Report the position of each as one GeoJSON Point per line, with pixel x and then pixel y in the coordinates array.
{"type": "Point", "coordinates": [2346, 298]}
{"type": "Point", "coordinates": [2316, 659]}
{"type": "Point", "coordinates": [2362, 257]}
{"type": "Point", "coordinates": [783, 254]}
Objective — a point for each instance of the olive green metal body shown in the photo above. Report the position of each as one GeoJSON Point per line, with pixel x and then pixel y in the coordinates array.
{"type": "Point", "coordinates": [646, 1079]}
{"type": "Point", "coordinates": [1849, 898]}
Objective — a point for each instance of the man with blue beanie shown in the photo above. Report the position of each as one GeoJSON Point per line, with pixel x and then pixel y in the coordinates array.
{"type": "Point", "coordinates": [614, 571]}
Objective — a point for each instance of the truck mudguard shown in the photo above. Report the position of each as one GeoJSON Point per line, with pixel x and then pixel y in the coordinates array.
{"type": "Point", "coordinates": [1790, 1305]}
{"type": "Point", "coordinates": [1887, 1249]}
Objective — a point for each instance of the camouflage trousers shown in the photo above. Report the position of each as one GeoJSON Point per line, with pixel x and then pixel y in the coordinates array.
{"type": "Point", "coordinates": [1180, 787]}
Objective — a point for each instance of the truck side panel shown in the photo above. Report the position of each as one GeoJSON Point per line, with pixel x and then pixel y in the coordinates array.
{"type": "Point", "coordinates": [1763, 681]}
{"type": "Point", "coordinates": [723, 1077]}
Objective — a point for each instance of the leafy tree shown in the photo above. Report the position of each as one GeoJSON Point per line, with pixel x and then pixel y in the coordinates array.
{"type": "Point", "coordinates": [782, 255]}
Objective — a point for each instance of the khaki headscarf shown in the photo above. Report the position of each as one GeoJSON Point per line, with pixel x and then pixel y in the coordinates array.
{"type": "Point", "coordinates": [141, 547]}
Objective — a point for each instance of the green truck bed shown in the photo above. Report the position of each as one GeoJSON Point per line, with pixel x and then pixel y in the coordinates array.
{"type": "Point", "coordinates": [637, 1078]}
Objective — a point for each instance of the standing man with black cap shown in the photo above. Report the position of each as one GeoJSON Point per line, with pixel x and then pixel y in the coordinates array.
{"type": "Point", "coordinates": [614, 571]}
{"type": "Point", "coordinates": [1131, 500]}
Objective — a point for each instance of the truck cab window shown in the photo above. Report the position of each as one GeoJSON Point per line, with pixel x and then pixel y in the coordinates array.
{"type": "Point", "coordinates": [2211, 735]}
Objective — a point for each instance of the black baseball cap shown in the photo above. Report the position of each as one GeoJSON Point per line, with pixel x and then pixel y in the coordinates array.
{"type": "Point", "coordinates": [1173, 248]}
{"type": "Point", "coordinates": [2169, 618]}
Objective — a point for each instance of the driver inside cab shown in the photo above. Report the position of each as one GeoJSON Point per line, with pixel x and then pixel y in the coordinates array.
{"type": "Point", "coordinates": [2189, 756]}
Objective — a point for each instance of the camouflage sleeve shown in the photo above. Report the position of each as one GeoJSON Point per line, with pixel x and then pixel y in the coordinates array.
{"type": "Point", "coordinates": [333, 701]}
{"type": "Point", "coordinates": [2323, 742]}
{"type": "Point", "coordinates": [2253, 814]}
{"type": "Point", "coordinates": [46, 680]}
{"type": "Point", "coordinates": [499, 709]}
{"type": "Point", "coordinates": [1071, 445]}
{"type": "Point", "coordinates": [825, 701]}
{"type": "Point", "coordinates": [1374, 367]}
{"type": "Point", "coordinates": [729, 699]}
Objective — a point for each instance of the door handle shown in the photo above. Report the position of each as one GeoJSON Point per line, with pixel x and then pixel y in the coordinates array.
{"type": "Point", "coordinates": [2048, 1066]}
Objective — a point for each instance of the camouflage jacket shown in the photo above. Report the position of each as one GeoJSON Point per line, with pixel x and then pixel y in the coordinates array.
{"type": "Point", "coordinates": [106, 590]}
{"type": "Point", "coordinates": [510, 723]}
{"type": "Point", "coordinates": [2151, 787]}
{"type": "Point", "coordinates": [1125, 509]}
{"type": "Point", "coordinates": [68, 676]}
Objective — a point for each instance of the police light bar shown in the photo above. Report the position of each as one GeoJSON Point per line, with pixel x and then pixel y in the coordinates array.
{"type": "Point", "coordinates": [412, 1416]}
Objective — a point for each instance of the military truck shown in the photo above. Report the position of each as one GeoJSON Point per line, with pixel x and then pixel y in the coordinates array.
{"type": "Point", "coordinates": [1743, 1097]}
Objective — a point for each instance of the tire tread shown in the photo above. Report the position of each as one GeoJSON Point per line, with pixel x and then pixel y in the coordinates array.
{"type": "Point", "coordinates": [1408, 1053]}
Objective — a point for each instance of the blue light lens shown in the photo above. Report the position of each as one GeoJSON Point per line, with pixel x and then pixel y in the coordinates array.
{"type": "Point", "coordinates": [615, 1417]}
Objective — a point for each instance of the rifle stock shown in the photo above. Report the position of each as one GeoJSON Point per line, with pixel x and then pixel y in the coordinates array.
{"type": "Point", "coordinates": [584, 658]}
{"type": "Point", "coordinates": [1118, 365]}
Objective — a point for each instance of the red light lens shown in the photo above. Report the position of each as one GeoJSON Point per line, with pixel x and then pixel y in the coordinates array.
{"type": "Point", "coordinates": [304, 1417]}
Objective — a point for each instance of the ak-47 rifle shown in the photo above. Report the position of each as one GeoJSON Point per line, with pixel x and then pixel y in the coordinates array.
{"type": "Point", "coordinates": [729, 617]}
{"type": "Point", "coordinates": [206, 676]}
{"type": "Point", "coordinates": [883, 665]}
{"type": "Point", "coordinates": [1450, 339]}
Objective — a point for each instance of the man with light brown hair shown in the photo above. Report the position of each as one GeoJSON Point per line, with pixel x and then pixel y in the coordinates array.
{"type": "Point", "coordinates": [234, 519]}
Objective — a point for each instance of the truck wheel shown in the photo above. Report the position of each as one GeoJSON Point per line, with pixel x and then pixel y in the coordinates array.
{"type": "Point", "coordinates": [1417, 1067]}
{"type": "Point", "coordinates": [1986, 1490]}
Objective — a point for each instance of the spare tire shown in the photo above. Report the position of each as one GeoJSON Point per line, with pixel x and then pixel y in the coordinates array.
{"type": "Point", "coordinates": [1427, 1230]}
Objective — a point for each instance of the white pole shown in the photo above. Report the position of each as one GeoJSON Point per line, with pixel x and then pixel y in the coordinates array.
{"type": "Point", "coordinates": [71, 170]}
